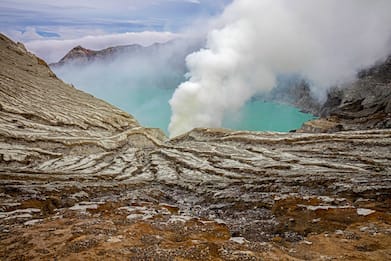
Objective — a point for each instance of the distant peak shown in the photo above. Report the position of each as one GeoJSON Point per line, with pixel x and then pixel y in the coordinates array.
{"type": "Point", "coordinates": [79, 47]}
{"type": "Point", "coordinates": [78, 52]}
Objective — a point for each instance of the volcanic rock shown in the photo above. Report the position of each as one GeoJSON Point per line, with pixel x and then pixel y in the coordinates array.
{"type": "Point", "coordinates": [82, 180]}
{"type": "Point", "coordinates": [360, 105]}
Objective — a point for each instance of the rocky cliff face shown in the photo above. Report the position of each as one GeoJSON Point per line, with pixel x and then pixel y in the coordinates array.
{"type": "Point", "coordinates": [363, 104]}
{"type": "Point", "coordinates": [296, 92]}
{"type": "Point", "coordinates": [80, 179]}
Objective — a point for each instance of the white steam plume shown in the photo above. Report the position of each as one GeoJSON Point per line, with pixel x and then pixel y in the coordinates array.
{"type": "Point", "coordinates": [325, 41]}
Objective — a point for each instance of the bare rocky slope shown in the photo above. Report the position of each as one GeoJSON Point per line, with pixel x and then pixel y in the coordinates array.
{"type": "Point", "coordinates": [81, 180]}
{"type": "Point", "coordinates": [360, 105]}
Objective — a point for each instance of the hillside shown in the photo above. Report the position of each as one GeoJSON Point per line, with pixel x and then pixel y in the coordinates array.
{"type": "Point", "coordinates": [82, 180]}
{"type": "Point", "coordinates": [361, 105]}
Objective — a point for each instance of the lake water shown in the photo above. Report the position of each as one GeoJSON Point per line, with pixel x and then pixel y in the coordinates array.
{"type": "Point", "coordinates": [267, 116]}
{"type": "Point", "coordinates": [149, 104]}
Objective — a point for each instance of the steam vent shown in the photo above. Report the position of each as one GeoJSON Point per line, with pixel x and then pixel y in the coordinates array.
{"type": "Point", "coordinates": [82, 180]}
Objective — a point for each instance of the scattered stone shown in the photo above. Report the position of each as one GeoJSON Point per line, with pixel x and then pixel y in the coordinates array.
{"type": "Point", "coordinates": [116, 239]}
{"type": "Point", "coordinates": [365, 212]}
{"type": "Point", "coordinates": [306, 242]}
{"type": "Point", "coordinates": [239, 240]}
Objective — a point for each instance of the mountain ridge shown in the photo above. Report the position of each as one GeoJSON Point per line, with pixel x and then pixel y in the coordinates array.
{"type": "Point", "coordinates": [79, 55]}
{"type": "Point", "coordinates": [82, 55]}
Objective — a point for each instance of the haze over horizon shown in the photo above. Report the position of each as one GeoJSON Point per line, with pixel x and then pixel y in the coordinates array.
{"type": "Point", "coordinates": [50, 29]}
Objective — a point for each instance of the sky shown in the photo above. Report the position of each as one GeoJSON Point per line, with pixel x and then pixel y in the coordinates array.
{"type": "Point", "coordinates": [50, 28]}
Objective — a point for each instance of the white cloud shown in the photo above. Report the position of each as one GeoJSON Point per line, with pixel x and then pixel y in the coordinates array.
{"type": "Point", "coordinates": [255, 41]}
{"type": "Point", "coordinates": [29, 34]}
{"type": "Point", "coordinates": [193, 1]}
{"type": "Point", "coordinates": [53, 50]}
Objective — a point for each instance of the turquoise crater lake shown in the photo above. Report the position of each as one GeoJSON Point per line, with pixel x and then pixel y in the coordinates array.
{"type": "Point", "coordinates": [150, 107]}
{"type": "Point", "coordinates": [259, 115]}
{"type": "Point", "coordinates": [147, 101]}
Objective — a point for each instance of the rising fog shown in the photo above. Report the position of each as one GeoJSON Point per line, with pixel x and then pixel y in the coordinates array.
{"type": "Point", "coordinates": [253, 42]}
{"type": "Point", "coordinates": [136, 79]}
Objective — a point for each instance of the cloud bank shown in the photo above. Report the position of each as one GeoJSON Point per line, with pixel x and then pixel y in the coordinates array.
{"type": "Point", "coordinates": [53, 50]}
{"type": "Point", "coordinates": [57, 26]}
{"type": "Point", "coordinates": [324, 41]}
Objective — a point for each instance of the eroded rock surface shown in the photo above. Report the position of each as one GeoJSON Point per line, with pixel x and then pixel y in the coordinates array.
{"type": "Point", "coordinates": [81, 180]}
{"type": "Point", "coordinates": [360, 105]}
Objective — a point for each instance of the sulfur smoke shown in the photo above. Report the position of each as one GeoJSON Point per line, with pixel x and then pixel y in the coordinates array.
{"type": "Point", "coordinates": [254, 41]}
